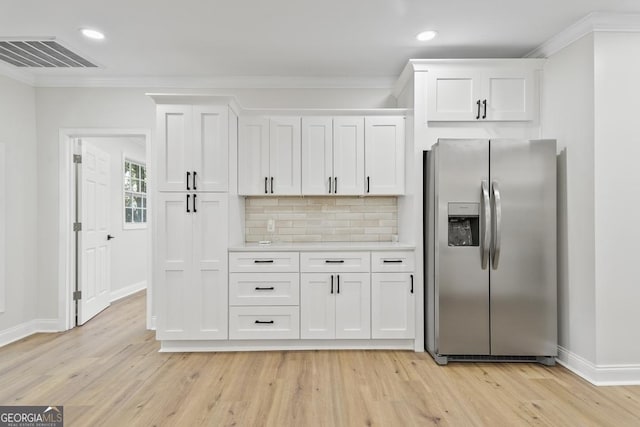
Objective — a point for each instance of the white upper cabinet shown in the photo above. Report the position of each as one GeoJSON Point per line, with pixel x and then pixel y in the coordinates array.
{"type": "Point", "coordinates": [210, 152]}
{"type": "Point", "coordinates": [348, 156]}
{"type": "Point", "coordinates": [253, 155]}
{"type": "Point", "coordinates": [193, 146]}
{"type": "Point", "coordinates": [284, 156]}
{"type": "Point", "coordinates": [477, 93]}
{"type": "Point", "coordinates": [269, 156]}
{"type": "Point", "coordinates": [333, 155]}
{"type": "Point", "coordinates": [317, 155]}
{"type": "Point", "coordinates": [384, 155]}
{"type": "Point", "coordinates": [174, 146]}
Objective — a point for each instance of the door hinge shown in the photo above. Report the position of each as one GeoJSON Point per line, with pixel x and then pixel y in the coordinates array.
{"type": "Point", "coordinates": [77, 158]}
{"type": "Point", "coordinates": [77, 226]}
{"type": "Point", "coordinates": [77, 295]}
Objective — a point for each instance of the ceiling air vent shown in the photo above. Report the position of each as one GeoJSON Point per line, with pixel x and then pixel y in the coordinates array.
{"type": "Point", "coordinates": [40, 54]}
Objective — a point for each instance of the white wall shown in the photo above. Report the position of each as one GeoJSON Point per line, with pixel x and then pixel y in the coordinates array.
{"type": "Point", "coordinates": [18, 134]}
{"type": "Point", "coordinates": [567, 115]}
{"type": "Point", "coordinates": [129, 108]}
{"type": "Point", "coordinates": [591, 104]}
{"type": "Point", "coordinates": [617, 198]}
{"type": "Point", "coordinates": [129, 248]}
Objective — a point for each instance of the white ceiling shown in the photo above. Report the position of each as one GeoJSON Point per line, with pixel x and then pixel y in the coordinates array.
{"type": "Point", "coordinates": [303, 38]}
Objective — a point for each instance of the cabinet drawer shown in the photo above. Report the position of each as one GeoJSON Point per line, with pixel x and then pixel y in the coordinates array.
{"type": "Point", "coordinates": [262, 262]}
{"type": "Point", "coordinates": [264, 289]}
{"type": "Point", "coordinates": [336, 262]}
{"type": "Point", "coordinates": [264, 323]}
{"type": "Point", "coordinates": [392, 261]}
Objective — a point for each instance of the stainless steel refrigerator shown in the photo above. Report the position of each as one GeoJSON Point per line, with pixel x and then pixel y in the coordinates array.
{"type": "Point", "coordinates": [490, 250]}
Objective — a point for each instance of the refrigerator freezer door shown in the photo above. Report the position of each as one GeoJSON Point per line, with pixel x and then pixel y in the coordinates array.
{"type": "Point", "coordinates": [461, 284]}
{"type": "Point", "coordinates": [523, 282]}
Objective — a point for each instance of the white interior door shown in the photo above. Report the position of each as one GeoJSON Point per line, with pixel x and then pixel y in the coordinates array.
{"type": "Point", "coordinates": [94, 255]}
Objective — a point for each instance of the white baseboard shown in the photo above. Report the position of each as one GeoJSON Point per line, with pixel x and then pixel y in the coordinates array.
{"type": "Point", "coordinates": [152, 323]}
{"type": "Point", "coordinates": [601, 375]}
{"type": "Point", "coordinates": [170, 346]}
{"type": "Point", "coordinates": [26, 329]}
{"type": "Point", "coordinates": [128, 290]}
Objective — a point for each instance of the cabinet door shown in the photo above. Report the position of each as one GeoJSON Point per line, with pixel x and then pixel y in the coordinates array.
{"type": "Point", "coordinates": [253, 156]}
{"type": "Point", "coordinates": [452, 95]}
{"type": "Point", "coordinates": [173, 266]}
{"type": "Point", "coordinates": [208, 298]}
{"type": "Point", "coordinates": [174, 131]}
{"type": "Point", "coordinates": [510, 94]}
{"type": "Point", "coordinates": [384, 155]}
{"type": "Point", "coordinates": [317, 155]}
{"type": "Point", "coordinates": [353, 305]}
{"type": "Point", "coordinates": [210, 159]}
{"type": "Point", "coordinates": [284, 156]}
{"type": "Point", "coordinates": [348, 155]}
{"type": "Point", "coordinates": [317, 306]}
{"type": "Point", "coordinates": [392, 305]}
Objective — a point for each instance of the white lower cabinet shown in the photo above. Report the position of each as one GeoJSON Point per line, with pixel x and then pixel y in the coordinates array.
{"type": "Point", "coordinates": [335, 306]}
{"type": "Point", "coordinates": [264, 289]}
{"type": "Point", "coordinates": [321, 295]}
{"type": "Point", "coordinates": [392, 305]}
{"type": "Point", "coordinates": [264, 323]}
{"type": "Point", "coordinates": [191, 268]}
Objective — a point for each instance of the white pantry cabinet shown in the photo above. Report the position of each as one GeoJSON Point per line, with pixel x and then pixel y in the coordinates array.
{"type": "Point", "coordinates": [269, 156]}
{"type": "Point", "coordinates": [384, 155]}
{"type": "Point", "coordinates": [191, 266]}
{"type": "Point", "coordinates": [479, 93]}
{"type": "Point", "coordinates": [193, 147]}
{"type": "Point", "coordinates": [335, 306]}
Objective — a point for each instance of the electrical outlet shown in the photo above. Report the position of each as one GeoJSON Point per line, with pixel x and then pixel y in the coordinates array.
{"type": "Point", "coordinates": [271, 226]}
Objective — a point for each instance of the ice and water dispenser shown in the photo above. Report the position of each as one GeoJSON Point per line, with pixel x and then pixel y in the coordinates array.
{"type": "Point", "coordinates": [464, 224]}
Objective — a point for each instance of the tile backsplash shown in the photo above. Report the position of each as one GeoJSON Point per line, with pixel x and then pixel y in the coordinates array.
{"type": "Point", "coordinates": [321, 219]}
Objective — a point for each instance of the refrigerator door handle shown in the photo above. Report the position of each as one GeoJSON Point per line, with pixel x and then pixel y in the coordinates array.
{"type": "Point", "coordinates": [486, 230]}
{"type": "Point", "coordinates": [497, 218]}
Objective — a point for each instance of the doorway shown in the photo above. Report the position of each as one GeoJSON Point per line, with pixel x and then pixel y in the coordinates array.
{"type": "Point", "coordinates": [105, 221]}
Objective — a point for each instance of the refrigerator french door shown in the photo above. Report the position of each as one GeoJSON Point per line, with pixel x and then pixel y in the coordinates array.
{"type": "Point", "coordinates": [490, 223]}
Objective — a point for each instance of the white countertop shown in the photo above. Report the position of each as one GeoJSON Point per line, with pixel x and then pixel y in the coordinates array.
{"type": "Point", "coordinates": [323, 246]}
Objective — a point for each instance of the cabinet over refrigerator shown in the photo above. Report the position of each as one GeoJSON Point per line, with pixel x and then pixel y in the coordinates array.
{"type": "Point", "coordinates": [490, 249]}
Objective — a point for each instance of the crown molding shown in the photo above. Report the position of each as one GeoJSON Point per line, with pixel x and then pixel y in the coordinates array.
{"type": "Point", "coordinates": [243, 82]}
{"type": "Point", "coordinates": [594, 22]}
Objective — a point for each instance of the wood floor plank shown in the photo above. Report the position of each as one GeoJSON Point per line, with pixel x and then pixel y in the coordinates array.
{"type": "Point", "coordinates": [109, 372]}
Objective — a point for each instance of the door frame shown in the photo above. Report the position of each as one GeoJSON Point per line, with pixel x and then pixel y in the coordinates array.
{"type": "Point", "coordinates": [66, 241]}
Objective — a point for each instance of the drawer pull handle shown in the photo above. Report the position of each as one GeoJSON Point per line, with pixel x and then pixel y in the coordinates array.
{"type": "Point", "coordinates": [412, 283]}
{"type": "Point", "coordinates": [392, 261]}
{"type": "Point", "coordinates": [334, 261]}
{"type": "Point", "coordinates": [270, 288]}
{"type": "Point", "coordinates": [264, 322]}
{"type": "Point", "coordinates": [263, 261]}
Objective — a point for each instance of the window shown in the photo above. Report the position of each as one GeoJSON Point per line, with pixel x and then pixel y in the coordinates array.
{"type": "Point", "coordinates": [135, 194]}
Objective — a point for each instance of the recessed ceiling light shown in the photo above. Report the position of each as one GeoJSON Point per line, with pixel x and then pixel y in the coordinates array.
{"type": "Point", "coordinates": [427, 35]}
{"type": "Point", "coordinates": [92, 34]}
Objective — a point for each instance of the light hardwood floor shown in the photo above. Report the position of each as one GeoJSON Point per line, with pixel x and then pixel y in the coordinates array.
{"type": "Point", "coordinates": [109, 372]}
